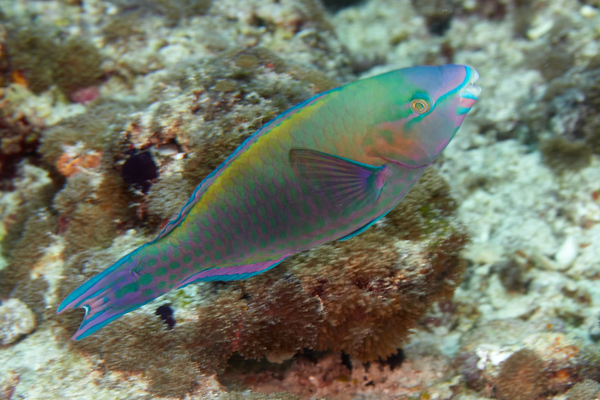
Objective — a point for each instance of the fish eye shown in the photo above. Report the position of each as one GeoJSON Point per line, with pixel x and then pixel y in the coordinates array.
{"type": "Point", "coordinates": [419, 106]}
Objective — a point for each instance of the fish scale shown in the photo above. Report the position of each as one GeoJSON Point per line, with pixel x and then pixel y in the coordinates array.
{"type": "Point", "coordinates": [324, 170]}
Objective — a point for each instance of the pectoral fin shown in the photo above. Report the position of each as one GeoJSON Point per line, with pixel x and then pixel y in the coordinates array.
{"type": "Point", "coordinates": [347, 183]}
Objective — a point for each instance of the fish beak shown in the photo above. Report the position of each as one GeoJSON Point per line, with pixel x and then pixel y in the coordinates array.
{"type": "Point", "coordinates": [470, 93]}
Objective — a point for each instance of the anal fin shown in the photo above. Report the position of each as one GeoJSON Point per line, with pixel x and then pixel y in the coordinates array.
{"type": "Point", "coordinates": [231, 273]}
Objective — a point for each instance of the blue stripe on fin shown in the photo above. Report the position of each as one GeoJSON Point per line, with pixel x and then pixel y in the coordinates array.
{"type": "Point", "coordinates": [231, 273]}
{"type": "Point", "coordinates": [85, 331]}
{"type": "Point", "coordinates": [73, 299]}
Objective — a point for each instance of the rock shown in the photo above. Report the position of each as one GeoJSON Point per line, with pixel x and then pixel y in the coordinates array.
{"type": "Point", "coordinates": [567, 253]}
{"type": "Point", "coordinates": [524, 359]}
{"type": "Point", "coordinates": [586, 390]}
{"type": "Point", "coordinates": [16, 319]}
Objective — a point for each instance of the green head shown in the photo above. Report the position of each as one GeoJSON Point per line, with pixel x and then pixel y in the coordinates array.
{"type": "Point", "coordinates": [425, 107]}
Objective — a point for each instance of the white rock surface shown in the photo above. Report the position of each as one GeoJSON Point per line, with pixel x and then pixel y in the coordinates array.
{"type": "Point", "coordinates": [16, 320]}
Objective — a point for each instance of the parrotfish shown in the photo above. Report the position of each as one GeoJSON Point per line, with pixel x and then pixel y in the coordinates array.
{"type": "Point", "coordinates": [326, 169]}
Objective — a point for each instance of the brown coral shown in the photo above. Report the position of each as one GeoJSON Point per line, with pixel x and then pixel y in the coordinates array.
{"type": "Point", "coordinates": [522, 377]}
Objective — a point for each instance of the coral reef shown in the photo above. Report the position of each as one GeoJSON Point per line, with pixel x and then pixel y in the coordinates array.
{"type": "Point", "coordinates": [172, 11]}
{"type": "Point", "coordinates": [525, 360]}
{"type": "Point", "coordinates": [19, 138]}
{"type": "Point", "coordinates": [112, 112]}
{"type": "Point", "coordinates": [16, 320]}
{"type": "Point", "coordinates": [43, 58]}
{"type": "Point", "coordinates": [341, 297]}
{"type": "Point", "coordinates": [361, 296]}
{"type": "Point", "coordinates": [586, 390]}
{"type": "Point", "coordinates": [25, 208]}
{"type": "Point", "coordinates": [522, 377]}
{"type": "Point", "coordinates": [560, 154]}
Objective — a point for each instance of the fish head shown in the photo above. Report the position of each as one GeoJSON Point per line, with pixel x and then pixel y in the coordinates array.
{"type": "Point", "coordinates": [430, 104]}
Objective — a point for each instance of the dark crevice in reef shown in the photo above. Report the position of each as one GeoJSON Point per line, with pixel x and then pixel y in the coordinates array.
{"type": "Point", "coordinates": [395, 360]}
{"type": "Point", "coordinates": [337, 5]}
{"type": "Point", "coordinates": [165, 312]}
{"type": "Point", "coordinates": [139, 170]}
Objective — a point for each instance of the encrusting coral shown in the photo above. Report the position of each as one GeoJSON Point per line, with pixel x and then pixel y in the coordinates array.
{"type": "Point", "coordinates": [23, 258]}
{"type": "Point", "coordinates": [28, 228]}
{"type": "Point", "coordinates": [560, 154]}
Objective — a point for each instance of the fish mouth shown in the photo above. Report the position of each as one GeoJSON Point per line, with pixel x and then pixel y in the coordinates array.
{"type": "Point", "coordinates": [469, 94]}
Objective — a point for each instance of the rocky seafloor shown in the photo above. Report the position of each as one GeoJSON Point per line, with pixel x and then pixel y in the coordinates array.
{"type": "Point", "coordinates": [481, 284]}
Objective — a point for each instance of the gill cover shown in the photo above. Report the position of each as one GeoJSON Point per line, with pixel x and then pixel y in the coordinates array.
{"type": "Point", "coordinates": [432, 104]}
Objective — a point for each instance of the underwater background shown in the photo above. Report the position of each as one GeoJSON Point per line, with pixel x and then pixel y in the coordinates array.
{"type": "Point", "coordinates": [482, 284]}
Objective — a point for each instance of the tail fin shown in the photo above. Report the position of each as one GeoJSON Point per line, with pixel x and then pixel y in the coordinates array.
{"type": "Point", "coordinates": [106, 296]}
